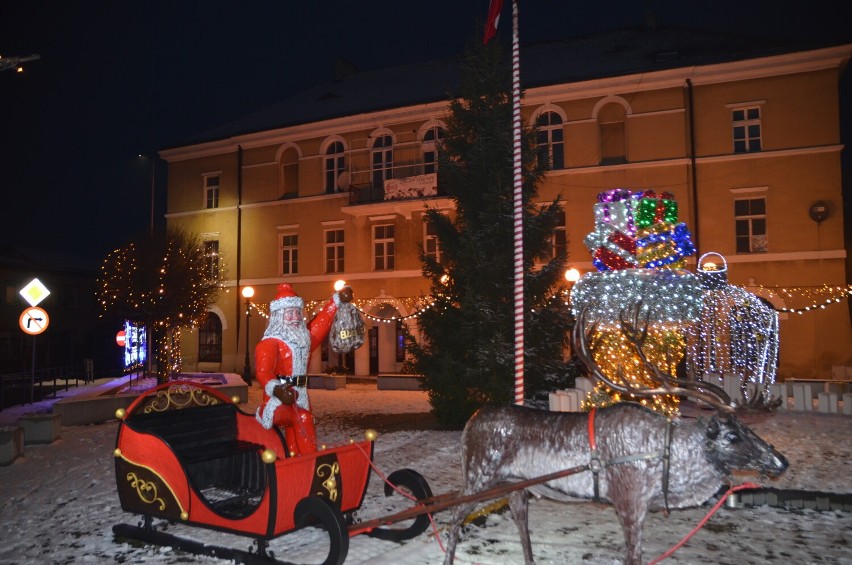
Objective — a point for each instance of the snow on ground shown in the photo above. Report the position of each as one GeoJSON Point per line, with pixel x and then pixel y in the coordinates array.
{"type": "Point", "coordinates": [58, 503]}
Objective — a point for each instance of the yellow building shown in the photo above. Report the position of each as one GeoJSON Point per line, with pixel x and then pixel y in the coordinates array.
{"type": "Point", "coordinates": [333, 182]}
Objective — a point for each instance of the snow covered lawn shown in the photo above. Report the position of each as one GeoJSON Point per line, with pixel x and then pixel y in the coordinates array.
{"type": "Point", "coordinates": [58, 503]}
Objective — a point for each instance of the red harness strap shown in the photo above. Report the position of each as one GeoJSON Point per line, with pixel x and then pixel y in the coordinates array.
{"type": "Point", "coordinates": [592, 428]}
{"type": "Point", "coordinates": [596, 466]}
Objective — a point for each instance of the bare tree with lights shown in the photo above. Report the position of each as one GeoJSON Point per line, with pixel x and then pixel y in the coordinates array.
{"type": "Point", "coordinates": [165, 281]}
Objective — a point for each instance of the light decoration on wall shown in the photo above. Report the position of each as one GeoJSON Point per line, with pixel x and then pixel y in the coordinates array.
{"type": "Point", "coordinates": [820, 297]}
{"type": "Point", "coordinates": [417, 306]}
{"type": "Point", "coordinates": [737, 334]}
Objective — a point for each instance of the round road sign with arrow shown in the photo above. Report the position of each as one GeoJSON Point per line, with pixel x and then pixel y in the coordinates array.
{"type": "Point", "coordinates": [34, 320]}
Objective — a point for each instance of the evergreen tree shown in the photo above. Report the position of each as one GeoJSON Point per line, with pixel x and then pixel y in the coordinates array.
{"type": "Point", "coordinates": [164, 281]}
{"type": "Point", "coordinates": [466, 354]}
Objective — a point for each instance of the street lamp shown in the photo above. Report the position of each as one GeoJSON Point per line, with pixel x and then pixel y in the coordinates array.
{"type": "Point", "coordinates": [572, 275]}
{"type": "Point", "coordinates": [247, 293]}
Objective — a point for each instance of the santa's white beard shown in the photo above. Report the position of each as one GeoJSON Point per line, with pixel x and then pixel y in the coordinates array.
{"type": "Point", "coordinates": [297, 338]}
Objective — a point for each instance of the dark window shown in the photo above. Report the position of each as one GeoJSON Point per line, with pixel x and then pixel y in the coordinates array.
{"type": "Point", "coordinates": [550, 143]}
{"type": "Point", "coordinates": [335, 165]}
{"type": "Point", "coordinates": [289, 254]}
{"type": "Point", "coordinates": [210, 339]}
{"type": "Point", "coordinates": [746, 130]}
{"type": "Point", "coordinates": [750, 225]}
{"type": "Point", "coordinates": [383, 246]}
{"type": "Point", "coordinates": [432, 140]}
{"type": "Point", "coordinates": [334, 251]}
{"type": "Point", "coordinates": [211, 191]}
{"type": "Point", "coordinates": [382, 162]}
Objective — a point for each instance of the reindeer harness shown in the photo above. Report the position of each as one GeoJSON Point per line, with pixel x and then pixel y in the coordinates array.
{"type": "Point", "coordinates": [596, 465]}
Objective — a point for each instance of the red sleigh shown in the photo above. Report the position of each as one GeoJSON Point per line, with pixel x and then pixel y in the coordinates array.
{"type": "Point", "coordinates": [188, 454]}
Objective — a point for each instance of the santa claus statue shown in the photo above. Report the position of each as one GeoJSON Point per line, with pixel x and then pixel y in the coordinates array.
{"type": "Point", "coordinates": [281, 363]}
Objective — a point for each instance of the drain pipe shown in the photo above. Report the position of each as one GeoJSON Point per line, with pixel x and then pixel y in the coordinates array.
{"type": "Point", "coordinates": [237, 312]}
{"type": "Point", "coordinates": [694, 179]}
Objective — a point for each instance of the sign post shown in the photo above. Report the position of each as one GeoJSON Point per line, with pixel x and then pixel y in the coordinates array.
{"type": "Point", "coordinates": [34, 320]}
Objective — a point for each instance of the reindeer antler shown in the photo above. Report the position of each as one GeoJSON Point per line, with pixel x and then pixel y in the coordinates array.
{"type": "Point", "coordinates": [635, 329]}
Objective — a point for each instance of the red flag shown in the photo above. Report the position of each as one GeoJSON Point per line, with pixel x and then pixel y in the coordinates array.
{"type": "Point", "coordinates": [494, 9]}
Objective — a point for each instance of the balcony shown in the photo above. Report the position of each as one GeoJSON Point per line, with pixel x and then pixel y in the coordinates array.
{"type": "Point", "coordinates": [408, 182]}
{"type": "Point", "coordinates": [402, 195]}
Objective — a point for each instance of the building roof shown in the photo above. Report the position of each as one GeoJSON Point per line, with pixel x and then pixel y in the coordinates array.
{"type": "Point", "coordinates": [611, 54]}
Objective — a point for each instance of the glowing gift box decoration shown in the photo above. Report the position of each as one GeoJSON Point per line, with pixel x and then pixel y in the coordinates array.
{"type": "Point", "coordinates": [664, 246]}
{"type": "Point", "coordinates": [652, 209]}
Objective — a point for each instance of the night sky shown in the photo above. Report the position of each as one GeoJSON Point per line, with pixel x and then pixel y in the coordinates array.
{"type": "Point", "coordinates": [117, 79]}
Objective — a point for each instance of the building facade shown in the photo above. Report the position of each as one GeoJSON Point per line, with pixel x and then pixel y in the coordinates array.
{"type": "Point", "coordinates": [333, 183]}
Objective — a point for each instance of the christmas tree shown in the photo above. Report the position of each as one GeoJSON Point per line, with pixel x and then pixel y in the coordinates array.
{"type": "Point", "coordinates": [466, 354]}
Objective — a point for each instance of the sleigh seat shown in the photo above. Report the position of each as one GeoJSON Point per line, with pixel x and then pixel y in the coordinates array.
{"type": "Point", "coordinates": [227, 473]}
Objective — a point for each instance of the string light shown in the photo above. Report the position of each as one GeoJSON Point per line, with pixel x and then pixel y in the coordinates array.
{"type": "Point", "coordinates": [179, 297]}
{"type": "Point", "coordinates": [815, 294]}
{"type": "Point", "coordinates": [312, 307]}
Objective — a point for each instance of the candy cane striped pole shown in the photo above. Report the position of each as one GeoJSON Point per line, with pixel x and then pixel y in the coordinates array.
{"type": "Point", "coordinates": [517, 216]}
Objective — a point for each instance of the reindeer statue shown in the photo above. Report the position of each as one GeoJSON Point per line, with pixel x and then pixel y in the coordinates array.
{"type": "Point", "coordinates": [636, 459]}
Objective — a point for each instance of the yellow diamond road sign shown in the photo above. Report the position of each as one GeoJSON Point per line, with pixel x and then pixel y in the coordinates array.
{"type": "Point", "coordinates": [34, 292]}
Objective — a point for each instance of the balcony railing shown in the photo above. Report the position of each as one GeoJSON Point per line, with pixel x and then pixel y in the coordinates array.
{"type": "Point", "coordinates": [401, 187]}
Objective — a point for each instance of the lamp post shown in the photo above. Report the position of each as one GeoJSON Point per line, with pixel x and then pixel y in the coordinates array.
{"type": "Point", "coordinates": [247, 293]}
{"type": "Point", "coordinates": [572, 275]}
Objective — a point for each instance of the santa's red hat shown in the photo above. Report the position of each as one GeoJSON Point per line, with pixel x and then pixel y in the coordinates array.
{"type": "Point", "coordinates": [286, 298]}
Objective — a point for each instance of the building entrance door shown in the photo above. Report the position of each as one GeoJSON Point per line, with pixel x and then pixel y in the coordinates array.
{"type": "Point", "coordinates": [373, 338]}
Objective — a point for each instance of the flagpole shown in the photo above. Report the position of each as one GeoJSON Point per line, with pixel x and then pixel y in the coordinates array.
{"type": "Point", "coordinates": [518, 218]}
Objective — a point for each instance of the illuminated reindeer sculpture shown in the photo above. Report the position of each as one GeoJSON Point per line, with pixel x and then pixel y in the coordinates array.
{"type": "Point", "coordinates": [629, 456]}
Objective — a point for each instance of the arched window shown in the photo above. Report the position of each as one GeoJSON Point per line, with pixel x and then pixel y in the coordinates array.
{"type": "Point", "coordinates": [210, 339]}
{"type": "Point", "coordinates": [611, 120]}
{"type": "Point", "coordinates": [289, 173]}
{"type": "Point", "coordinates": [549, 142]}
{"type": "Point", "coordinates": [432, 141]}
{"type": "Point", "coordinates": [382, 160]}
{"type": "Point", "coordinates": [335, 164]}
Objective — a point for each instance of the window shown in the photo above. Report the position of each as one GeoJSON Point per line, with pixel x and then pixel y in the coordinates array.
{"type": "Point", "coordinates": [334, 251]}
{"type": "Point", "coordinates": [210, 339]}
{"type": "Point", "coordinates": [611, 121]}
{"type": "Point", "coordinates": [211, 254]}
{"type": "Point", "coordinates": [750, 220]}
{"type": "Point", "coordinates": [290, 173]}
{"type": "Point", "coordinates": [746, 123]}
{"type": "Point", "coordinates": [289, 253]}
{"type": "Point", "coordinates": [211, 191]}
{"type": "Point", "coordinates": [549, 140]}
{"type": "Point", "coordinates": [335, 165]}
{"type": "Point", "coordinates": [432, 140]}
{"type": "Point", "coordinates": [431, 247]}
{"type": "Point", "coordinates": [560, 238]}
{"type": "Point", "coordinates": [382, 161]}
{"type": "Point", "coordinates": [383, 247]}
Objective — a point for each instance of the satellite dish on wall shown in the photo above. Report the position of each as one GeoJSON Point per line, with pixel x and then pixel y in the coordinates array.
{"type": "Point", "coordinates": [343, 181]}
{"type": "Point", "coordinates": [819, 211]}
